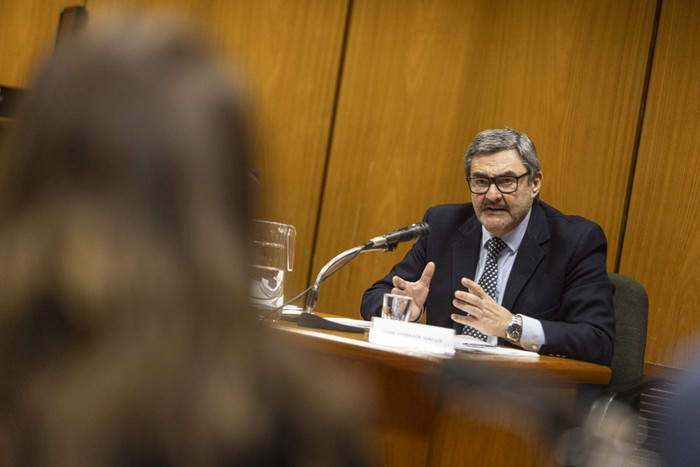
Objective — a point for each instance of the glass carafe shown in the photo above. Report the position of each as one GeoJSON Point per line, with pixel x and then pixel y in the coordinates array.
{"type": "Point", "coordinates": [273, 255]}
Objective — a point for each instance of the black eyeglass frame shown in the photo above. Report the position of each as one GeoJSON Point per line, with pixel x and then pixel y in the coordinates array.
{"type": "Point", "coordinates": [494, 181]}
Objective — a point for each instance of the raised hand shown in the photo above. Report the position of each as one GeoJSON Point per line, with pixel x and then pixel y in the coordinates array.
{"type": "Point", "coordinates": [483, 312]}
{"type": "Point", "coordinates": [417, 290]}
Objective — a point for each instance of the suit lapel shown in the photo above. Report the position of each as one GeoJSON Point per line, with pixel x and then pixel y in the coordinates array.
{"type": "Point", "coordinates": [465, 253]}
{"type": "Point", "coordinates": [465, 256]}
{"type": "Point", "coordinates": [529, 256]}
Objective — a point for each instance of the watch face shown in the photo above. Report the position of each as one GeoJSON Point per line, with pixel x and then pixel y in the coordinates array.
{"type": "Point", "coordinates": [514, 331]}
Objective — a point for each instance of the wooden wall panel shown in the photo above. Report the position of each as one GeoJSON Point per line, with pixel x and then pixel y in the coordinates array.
{"type": "Point", "coordinates": [662, 246]}
{"type": "Point", "coordinates": [422, 78]}
{"type": "Point", "coordinates": [293, 50]}
{"type": "Point", "coordinates": [290, 52]}
{"type": "Point", "coordinates": [419, 80]}
{"type": "Point", "coordinates": [27, 33]}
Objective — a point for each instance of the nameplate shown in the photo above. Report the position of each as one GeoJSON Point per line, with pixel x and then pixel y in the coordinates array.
{"type": "Point", "coordinates": [412, 336]}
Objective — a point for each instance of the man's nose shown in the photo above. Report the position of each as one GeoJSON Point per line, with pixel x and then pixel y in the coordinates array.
{"type": "Point", "coordinates": [492, 192]}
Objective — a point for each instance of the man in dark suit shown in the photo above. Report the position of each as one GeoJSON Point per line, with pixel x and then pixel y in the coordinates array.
{"type": "Point", "coordinates": [549, 291]}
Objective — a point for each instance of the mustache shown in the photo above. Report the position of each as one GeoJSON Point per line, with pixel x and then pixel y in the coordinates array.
{"type": "Point", "coordinates": [498, 204]}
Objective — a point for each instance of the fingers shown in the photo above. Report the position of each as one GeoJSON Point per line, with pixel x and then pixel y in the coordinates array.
{"type": "Point", "coordinates": [474, 288]}
{"type": "Point", "coordinates": [462, 319]}
{"type": "Point", "coordinates": [427, 275]}
{"type": "Point", "coordinates": [401, 287]}
{"type": "Point", "coordinates": [424, 280]}
{"type": "Point", "coordinates": [468, 303]}
{"type": "Point", "coordinates": [472, 300]}
{"type": "Point", "coordinates": [399, 283]}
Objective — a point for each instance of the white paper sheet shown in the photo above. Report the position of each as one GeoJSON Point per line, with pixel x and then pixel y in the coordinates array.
{"type": "Point", "coordinates": [495, 350]}
{"type": "Point", "coordinates": [358, 323]}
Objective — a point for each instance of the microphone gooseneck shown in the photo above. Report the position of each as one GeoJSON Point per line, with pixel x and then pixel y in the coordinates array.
{"type": "Point", "coordinates": [385, 242]}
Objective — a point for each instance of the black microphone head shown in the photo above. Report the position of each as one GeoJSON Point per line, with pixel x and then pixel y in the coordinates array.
{"type": "Point", "coordinates": [404, 234]}
{"type": "Point", "coordinates": [423, 230]}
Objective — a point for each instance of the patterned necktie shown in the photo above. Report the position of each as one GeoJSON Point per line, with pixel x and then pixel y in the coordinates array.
{"type": "Point", "coordinates": [489, 278]}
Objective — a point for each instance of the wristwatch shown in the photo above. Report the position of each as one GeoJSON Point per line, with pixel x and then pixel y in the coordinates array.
{"type": "Point", "coordinates": [514, 329]}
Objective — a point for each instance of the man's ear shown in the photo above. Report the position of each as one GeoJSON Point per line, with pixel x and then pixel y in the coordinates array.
{"type": "Point", "coordinates": [536, 184]}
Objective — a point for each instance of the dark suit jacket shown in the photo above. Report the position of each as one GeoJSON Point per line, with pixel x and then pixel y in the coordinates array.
{"type": "Point", "coordinates": [559, 277]}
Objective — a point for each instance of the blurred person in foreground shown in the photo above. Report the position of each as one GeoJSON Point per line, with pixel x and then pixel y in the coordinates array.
{"type": "Point", "coordinates": [679, 440]}
{"type": "Point", "coordinates": [125, 332]}
{"type": "Point", "coordinates": [550, 290]}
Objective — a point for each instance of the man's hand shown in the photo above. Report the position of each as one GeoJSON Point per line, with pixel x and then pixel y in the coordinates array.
{"type": "Point", "coordinates": [483, 312]}
{"type": "Point", "coordinates": [417, 290]}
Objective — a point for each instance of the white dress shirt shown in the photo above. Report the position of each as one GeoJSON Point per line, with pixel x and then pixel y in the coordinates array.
{"type": "Point", "coordinates": [533, 335]}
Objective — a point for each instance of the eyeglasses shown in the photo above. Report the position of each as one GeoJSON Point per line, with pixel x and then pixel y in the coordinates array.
{"type": "Point", "coordinates": [505, 183]}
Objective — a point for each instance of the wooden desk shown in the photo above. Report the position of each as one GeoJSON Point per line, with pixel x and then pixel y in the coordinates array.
{"type": "Point", "coordinates": [421, 422]}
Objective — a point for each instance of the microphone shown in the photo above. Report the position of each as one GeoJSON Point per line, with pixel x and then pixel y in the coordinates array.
{"type": "Point", "coordinates": [385, 242]}
{"type": "Point", "coordinates": [404, 234]}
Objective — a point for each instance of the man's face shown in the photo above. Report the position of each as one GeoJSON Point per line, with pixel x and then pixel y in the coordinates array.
{"type": "Point", "coordinates": [502, 212]}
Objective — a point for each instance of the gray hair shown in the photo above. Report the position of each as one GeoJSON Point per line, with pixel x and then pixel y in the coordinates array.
{"type": "Point", "coordinates": [492, 141]}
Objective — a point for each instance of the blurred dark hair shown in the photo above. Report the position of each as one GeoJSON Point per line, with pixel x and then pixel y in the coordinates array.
{"type": "Point", "coordinates": [125, 334]}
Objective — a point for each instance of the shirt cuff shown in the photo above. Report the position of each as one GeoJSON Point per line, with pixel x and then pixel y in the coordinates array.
{"type": "Point", "coordinates": [422, 311]}
{"type": "Point", "coordinates": [533, 334]}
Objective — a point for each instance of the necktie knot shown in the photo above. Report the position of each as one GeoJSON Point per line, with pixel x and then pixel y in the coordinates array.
{"type": "Point", "coordinates": [495, 246]}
